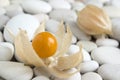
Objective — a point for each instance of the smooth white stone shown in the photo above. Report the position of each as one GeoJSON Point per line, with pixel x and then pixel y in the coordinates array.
{"type": "Point", "coordinates": [36, 6]}
{"type": "Point", "coordinates": [74, 39]}
{"type": "Point", "coordinates": [2, 11]}
{"type": "Point", "coordinates": [76, 76]}
{"type": "Point", "coordinates": [63, 14]}
{"type": "Point", "coordinates": [24, 21]}
{"type": "Point", "coordinates": [60, 4]}
{"type": "Point", "coordinates": [40, 78]}
{"type": "Point", "coordinates": [115, 3]}
{"type": "Point", "coordinates": [86, 56]}
{"type": "Point", "coordinates": [107, 42]}
{"type": "Point", "coordinates": [16, 1]}
{"type": "Point", "coordinates": [21, 72]}
{"type": "Point", "coordinates": [52, 25]}
{"type": "Point", "coordinates": [106, 54]}
{"type": "Point", "coordinates": [13, 10]}
{"type": "Point", "coordinates": [1, 37]}
{"type": "Point", "coordinates": [112, 11]}
{"type": "Point", "coordinates": [87, 45]}
{"type": "Point", "coordinates": [91, 76]}
{"type": "Point", "coordinates": [97, 3]}
{"type": "Point", "coordinates": [38, 71]}
{"type": "Point", "coordinates": [70, 1]}
{"type": "Point", "coordinates": [115, 28]}
{"type": "Point", "coordinates": [4, 3]}
{"type": "Point", "coordinates": [42, 17]}
{"type": "Point", "coordinates": [104, 1]}
{"type": "Point", "coordinates": [77, 6]}
{"type": "Point", "coordinates": [6, 51]}
{"type": "Point", "coordinates": [73, 49]}
{"type": "Point", "coordinates": [88, 66]}
{"type": "Point", "coordinates": [3, 21]}
{"type": "Point", "coordinates": [78, 32]}
{"type": "Point", "coordinates": [109, 72]}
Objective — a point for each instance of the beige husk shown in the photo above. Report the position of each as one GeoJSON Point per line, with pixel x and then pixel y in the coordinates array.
{"type": "Point", "coordinates": [26, 53]}
{"type": "Point", "coordinates": [74, 59]}
{"type": "Point", "coordinates": [94, 21]}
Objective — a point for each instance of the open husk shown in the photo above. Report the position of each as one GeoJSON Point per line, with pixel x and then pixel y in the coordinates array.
{"type": "Point", "coordinates": [94, 21]}
{"type": "Point", "coordinates": [72, 60]}
{"type": "Point", "coordinates": [26, 53]}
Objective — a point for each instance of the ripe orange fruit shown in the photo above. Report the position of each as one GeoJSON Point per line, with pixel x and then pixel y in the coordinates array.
{"type": "Point", "coordinates": [45, 44]}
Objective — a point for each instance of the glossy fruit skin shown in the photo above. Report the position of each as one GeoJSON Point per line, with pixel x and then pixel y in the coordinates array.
{"type": "Point", "coordinates": [45, 44]}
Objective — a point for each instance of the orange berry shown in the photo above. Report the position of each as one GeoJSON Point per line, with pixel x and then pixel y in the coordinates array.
{"type": "Point", "coordinates": [45, 44]}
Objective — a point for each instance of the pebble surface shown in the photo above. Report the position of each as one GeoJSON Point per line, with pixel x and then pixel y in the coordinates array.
{"type": "Point", "coordinates": [111, 55]}
{"type": "Point", "coordinates": [101, 56]}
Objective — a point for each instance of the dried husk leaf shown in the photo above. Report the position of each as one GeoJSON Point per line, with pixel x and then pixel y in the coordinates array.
{"type": "Point", "coordinates": [26, 53]}
{"type": "Point", "coordinates": [68, 62]}
{"type": "Point", "coordinates": [60, 35]}
{"type": "Point", "coordinates": [24, 50]}
{"type": "Point", "coordinates": [64, 40]}
{"type": "Point", "coordinates": [59, 73]}
{"type": "Point", "coordinates": [41, 28]}
{"type": "Point", "coordinates": [94, 21]}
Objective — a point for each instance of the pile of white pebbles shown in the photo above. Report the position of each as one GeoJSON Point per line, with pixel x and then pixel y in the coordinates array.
{"type": "Point", "coordinates": [101, 56]}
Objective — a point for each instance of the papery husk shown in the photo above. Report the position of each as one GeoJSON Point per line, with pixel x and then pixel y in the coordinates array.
{"type": "Point", "coordinates": [26, 53]}
{"type": "Point", "coordinates": [64, 40]}
{"type": "Point", "coordinates": [60, 34]}
{"type": "Point", "coordinates": [40, 29]}
{"type": "Point", "coordinates": [24, 50]}
{"type": "Point", "coordinates": [68, 62]}
{"type": "Point", "coordinates": [94, 21]}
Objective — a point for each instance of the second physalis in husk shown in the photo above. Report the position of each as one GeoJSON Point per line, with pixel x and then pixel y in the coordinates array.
{"type": "Point", "coordinates": [94, 21]}
{"type": "Point", "coordinates": [48, 50]}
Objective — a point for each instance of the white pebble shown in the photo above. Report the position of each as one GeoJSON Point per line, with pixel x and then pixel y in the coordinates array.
{"type": "Point", "coordinates": [42, 17]}
{"type": "Point", "coordinates": [15, 71]}
{"type": "Point", "coordinates": [70, 1]}
{"type": "Point", "coordinates": [115, 28]}
{"type": "Point", "coordinates": [16, 1]}
{"type": "Point", "coordinates": [78, 32]}
{"type": "Point", "coordinates": [76, 76]}
{"type": "Point", "coordinates": [24, 21]}
{"type": "Point", "coordinates": [1, 37]}
{"type": "Point", "coordinates": [41, 71]}
{"type": "Point", "coordinates": [109, 71]}
{"type": "Point", "coordinates": [88, 66]}
{"type": "Point", "coordinates": [91, 76]}
{"type": "Point", "coordinates": [78, 6]}
{"type": "Point", "coordinates": [4, 3]}
{"type": "Point", "coordinates": [107, 42]}
{"type": "Point", "coordinates": [112, 11]}
{"type": "Point", "coordinates": [6, 51]}
{"type": "Point", "coordinates": [36, 6]}
{"type": "Point", "coordinates": [60, 4]}
{"type": "Point", "coordinates": [3, 21]}
{"type": "Point", "coordinates": [63, 14]}
{"type": "Point", "coordinates": [87, 45]}
{"type": "Point", "coordinates": [115, 3]}
{"type": "Point", "coordinates": [97, 3]}
{"type": "Point", "coordinates": [74, 39]}
{"type": "Point", "coordinates": [13, 10]}
{"type": "Point", "coordinates": [73, 49]}
{"type": "Point", "coordinates": [106, 54]}
{"type": "Point", "coordinates": [86, 56]}
{"type": "Point", "coordinates": [40, 78]}
{"type": "Point", "coordinates": [2, 11]}
{"type": "Point", "coordinates": [52, 25]}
